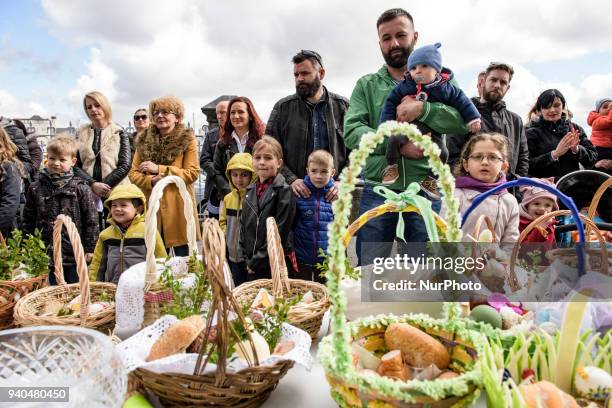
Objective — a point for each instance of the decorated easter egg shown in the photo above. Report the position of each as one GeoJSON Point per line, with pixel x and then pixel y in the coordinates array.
{"type": "Point", "coordinates": [486, 314]}
{"type": "Point", "coordinates": [593, 383]}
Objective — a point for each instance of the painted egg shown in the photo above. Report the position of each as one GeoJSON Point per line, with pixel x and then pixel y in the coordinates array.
{"type": "Point", "coordinates": [593, 383]}
{"type": "Point", "coordinates": [486, 314]}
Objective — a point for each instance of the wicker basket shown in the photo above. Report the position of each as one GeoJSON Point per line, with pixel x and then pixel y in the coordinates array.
{"type": "Point", "coordinates": [351, 388]}
{"type": "Point", "coordinates": [601, 253]}
{"type": "Point", "coordinates": [247, 388]}
{"type": "Point", "coordinates": [307, 317]}
{"type": "Point", "coordinates": [156, 295]}
{"type": "Point", "coordinates": [12, 291]}
{"type": "Point", "coordinates": [28, 308]}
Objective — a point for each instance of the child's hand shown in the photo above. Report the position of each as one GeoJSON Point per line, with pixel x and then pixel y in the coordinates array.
{"type": "Point", "coordinates": [475, 127]}
{"type": "Point", "coordinates": [88, 257]}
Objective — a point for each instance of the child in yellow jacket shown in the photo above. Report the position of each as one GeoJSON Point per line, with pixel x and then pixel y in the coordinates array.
{"type": "Point", "coordinates": [122, 244]}
{"type": "Point", "coordinates": [240, 174]}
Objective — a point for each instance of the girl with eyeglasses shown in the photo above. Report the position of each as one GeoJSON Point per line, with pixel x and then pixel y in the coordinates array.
{"type": "Point", "coordinates": [484, 161]}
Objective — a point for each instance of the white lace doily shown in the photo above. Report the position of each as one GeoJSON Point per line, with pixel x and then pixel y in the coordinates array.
{"type": "Point", "coordinates": [129, 297]}
{"type": "Point", "coordinates": [134, 351]}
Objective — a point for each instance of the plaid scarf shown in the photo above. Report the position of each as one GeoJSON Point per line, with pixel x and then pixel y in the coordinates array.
{"type": "Point", "coordinates": [59, 180]}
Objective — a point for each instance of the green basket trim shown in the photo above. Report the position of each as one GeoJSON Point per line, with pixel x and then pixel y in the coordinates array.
{"type": "Point", "coordinates": [342, 207]}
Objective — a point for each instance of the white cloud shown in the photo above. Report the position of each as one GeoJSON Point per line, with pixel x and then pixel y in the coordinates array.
{"type": "Point", "coordinates": [13, 107]}
{"type": "Point", "coordinates": [199, 50]}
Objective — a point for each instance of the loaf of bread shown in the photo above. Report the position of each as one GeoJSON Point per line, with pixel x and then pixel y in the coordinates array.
{"type": "Point", "coordinates": [177, 338]}
{"type": "Point", "coordinates": [418, 348]}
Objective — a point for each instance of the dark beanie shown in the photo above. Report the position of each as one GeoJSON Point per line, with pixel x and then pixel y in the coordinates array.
{"type": "Point", "coordinates": [427, 55]}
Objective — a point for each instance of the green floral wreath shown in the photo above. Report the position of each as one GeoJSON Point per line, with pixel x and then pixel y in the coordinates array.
{"type": "Point", "coordinates": [334, 350]}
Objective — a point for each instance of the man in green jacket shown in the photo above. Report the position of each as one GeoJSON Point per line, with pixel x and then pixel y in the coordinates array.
{"type": "Point", "coordinates": [397, 39]}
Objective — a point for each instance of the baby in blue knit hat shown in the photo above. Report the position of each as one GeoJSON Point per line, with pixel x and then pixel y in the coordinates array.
{"type": "Point", "coordinates": [426, 80]}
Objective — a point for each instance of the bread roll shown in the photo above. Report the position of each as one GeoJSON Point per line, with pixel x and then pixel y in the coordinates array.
{"type": "Point", "coordinates": [544, 394]}
{"type": "Point", "coordinates": [392, 365]}
{"type": "Point", "coordinates": [418, 348]}
{"type": "Point", "coordinates": [177, 338]}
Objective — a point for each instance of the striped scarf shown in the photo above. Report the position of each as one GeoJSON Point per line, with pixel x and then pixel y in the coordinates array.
{"type": "Point", "coordinates": [59, 180]}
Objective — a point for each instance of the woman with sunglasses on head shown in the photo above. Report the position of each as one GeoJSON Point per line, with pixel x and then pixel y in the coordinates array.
{"type": "Point", "coordinates": [141, 122]}
{"type": "Point", "coordinates": [104, 156]}
{"type": "Point", "coordinates": [168, 148]}
{"type": "Point", "coordinates": [242, 129]}
{"type": "Point", "coordinates": [557, 146]}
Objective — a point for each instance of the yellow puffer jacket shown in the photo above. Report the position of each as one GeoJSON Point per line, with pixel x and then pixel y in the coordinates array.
{"type": "Point", "coordinates": [117, 250]}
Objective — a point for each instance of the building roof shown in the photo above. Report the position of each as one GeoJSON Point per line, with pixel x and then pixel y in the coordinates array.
{"type": "Point", "coordinates": [213, 104]}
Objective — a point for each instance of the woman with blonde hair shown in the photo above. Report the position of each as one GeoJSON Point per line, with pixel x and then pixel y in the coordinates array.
{"type": "Point", "coordinates": [104, 154]}
{"type": "Point", "coordinates": [11, 173]}
{"type": "Point", "coordinates": [168, 148]}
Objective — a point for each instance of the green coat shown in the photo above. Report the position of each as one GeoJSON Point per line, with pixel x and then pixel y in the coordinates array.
{"type": "Point", "coordinates": [363, 116]}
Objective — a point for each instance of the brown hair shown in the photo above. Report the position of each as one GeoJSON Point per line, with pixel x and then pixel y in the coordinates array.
{"type": "Point", "coordinates": [63, 144]}
{"type": "Point", "coordinates": [256, 126]}
{"type": "Point", "coordinates": [501, 66]}
{"type": "Point", "coordinates": [101, 100]}
{"type": "Point", "coordinates": [322, 158]}
{"type": "Point", "coordinates": [169, 102]}
{"type": "Point", "coordinates": [8, 152]}
{"type": "Point", "coordinates": [498, 140]}
{"type": "Point", "coordinates": [269, 141]}
{"type": "Point", "coordinates": [392, 14]}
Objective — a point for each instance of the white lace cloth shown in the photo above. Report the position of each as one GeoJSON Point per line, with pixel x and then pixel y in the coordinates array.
{"type": "Point", "coordinates": [129, 297]}
{"type": "Point", "coordinates": [134, 351]}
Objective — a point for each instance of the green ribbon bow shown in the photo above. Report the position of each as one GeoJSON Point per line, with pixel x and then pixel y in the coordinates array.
{"type": "Point", "coordinates": [403, 200]}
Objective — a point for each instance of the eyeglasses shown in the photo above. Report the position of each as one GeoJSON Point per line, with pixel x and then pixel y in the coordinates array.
{"type": "Point", "coordinates": [312, 54]}
{"type": "Point", "coordinates": [491, 158]}
{"type": "Point", "coordinates": [139, 117]}
{"type": "Point", "coordinates": [163, 112]}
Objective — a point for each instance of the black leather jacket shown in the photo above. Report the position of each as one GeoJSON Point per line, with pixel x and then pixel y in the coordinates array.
{"type": "Point", "coordinates": [496, 118]}
{"type": "Point", "coordinates": [124, 164]}
{"type": "Point", "coordinates": [290, 124]}
{"type": "Point", "coordinates": [278, 202]}
{"type": "Point", "coordinates": [211, 191]}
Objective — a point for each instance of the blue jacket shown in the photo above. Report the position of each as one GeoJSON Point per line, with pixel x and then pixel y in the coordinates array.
{"type": "Point", "coordinates": [441, 90]}
{"type": "Point", "coordinates": [312, 219]}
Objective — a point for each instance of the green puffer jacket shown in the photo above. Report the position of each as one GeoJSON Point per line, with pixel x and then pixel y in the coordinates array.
{"type": "Point", "coordinates": [363, 116]}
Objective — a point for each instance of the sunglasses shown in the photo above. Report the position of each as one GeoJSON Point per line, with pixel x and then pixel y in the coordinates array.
{"type": "Point", "coordinates": [312, 54]}
{"type": "Point", "coordinates": [140, 117]}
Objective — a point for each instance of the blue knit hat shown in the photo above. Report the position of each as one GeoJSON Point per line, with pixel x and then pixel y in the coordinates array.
{"type": "Point", "coordinates": [428, 55]}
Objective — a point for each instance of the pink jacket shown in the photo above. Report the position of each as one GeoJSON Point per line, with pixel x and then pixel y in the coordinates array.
{"type": "Point", "coordinates": [503, 210]}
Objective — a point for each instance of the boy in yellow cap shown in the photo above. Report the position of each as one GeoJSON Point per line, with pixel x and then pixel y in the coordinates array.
{"type": "Point", "coordinates": [122, 244]}
{"type": "Point", "coordinates": [240, 174]}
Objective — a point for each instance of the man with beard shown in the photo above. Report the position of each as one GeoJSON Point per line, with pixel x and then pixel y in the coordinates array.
{"type": "Point", "coordinates": [396, 38]}
{"type": "Point", "coordinates": [496, 118]}
{"type": "Point", "coordinates": [308, 120]}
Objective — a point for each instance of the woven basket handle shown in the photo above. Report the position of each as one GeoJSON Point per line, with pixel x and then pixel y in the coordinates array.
{"type": "Point", "coordinates": [79, 256]}
{"type": "Point", "coordinates": [278, 266]}
{"type": "Point", "coordinates": [567, 201]}
{"type": "Point", "coordinates": [223, 302]}
{"type": "Point", "coordinates": [513, 281]}
{"type": "Point", "coordinates": [476, 232]}
{"type": "Point", "coordinates": [2, 241]}
{"type": "Point", "coordinates": [151, 221]}
{"type": "Point", "coordinates": [595, 202]}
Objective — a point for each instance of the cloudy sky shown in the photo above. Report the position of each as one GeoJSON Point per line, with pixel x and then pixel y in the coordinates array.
{"type": "Point", "coordinates": [54, 51]}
